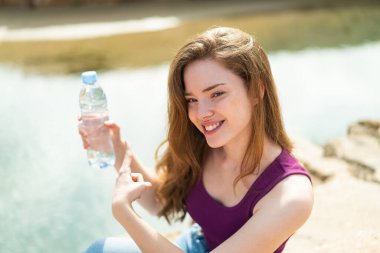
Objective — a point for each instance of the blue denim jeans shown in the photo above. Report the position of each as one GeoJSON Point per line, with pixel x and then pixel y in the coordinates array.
{"type": "Point", "coordinates": [191, 241]}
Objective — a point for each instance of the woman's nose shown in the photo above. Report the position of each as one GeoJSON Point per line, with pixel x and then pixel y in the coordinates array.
{"type": "Point", "coordinates": [205, 110]}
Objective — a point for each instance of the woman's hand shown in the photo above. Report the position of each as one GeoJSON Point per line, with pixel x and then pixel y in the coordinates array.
{"type": "Point", "coordinates": [119, 144]}
{"type": "Point", "coordinates": [129, 187]}
{"type": "Point", "coordinates": [83, 134]}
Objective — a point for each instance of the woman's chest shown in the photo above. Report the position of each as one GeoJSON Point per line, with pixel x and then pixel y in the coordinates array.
{"type": "Point", "coordinates": [220, 186]}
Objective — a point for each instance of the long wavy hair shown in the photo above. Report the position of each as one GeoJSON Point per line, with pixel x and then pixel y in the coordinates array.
{"type": "Point", "coordinates": [181, 155]}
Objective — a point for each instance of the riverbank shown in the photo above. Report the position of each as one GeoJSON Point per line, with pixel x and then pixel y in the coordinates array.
{"type": "Point", "coordinates": [346, 173]}
{"type": "Point", "coordinates": [278, 25]}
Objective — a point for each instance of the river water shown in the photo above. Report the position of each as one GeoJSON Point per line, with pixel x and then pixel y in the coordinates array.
{"type": "Point", "coordinates": [52, 201]}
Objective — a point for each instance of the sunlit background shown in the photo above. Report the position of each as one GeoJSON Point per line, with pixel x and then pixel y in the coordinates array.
{"type": "Point", "coordinates": [325, 57]}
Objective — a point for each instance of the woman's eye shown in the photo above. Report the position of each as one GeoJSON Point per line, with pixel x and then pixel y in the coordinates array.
{"type": "Point", "coordinates": [191, 100]}
{"type": "Point", "coordinates": [217, 94]}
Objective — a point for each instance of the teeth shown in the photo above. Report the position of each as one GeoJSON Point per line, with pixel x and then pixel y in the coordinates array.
{"type": "Point", "coordinates": [212, 127]}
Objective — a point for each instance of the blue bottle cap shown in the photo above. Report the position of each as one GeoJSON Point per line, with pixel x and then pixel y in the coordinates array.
{"type": "Point", "coordinates": [89, 77]}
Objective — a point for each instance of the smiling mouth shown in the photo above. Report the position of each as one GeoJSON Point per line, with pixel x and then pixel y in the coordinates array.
{"type": "Point", "coordinates": [212, 127]}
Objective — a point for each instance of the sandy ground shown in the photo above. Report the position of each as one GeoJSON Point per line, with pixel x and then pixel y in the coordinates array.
{"type": "Point", "coordinates": [345, 218]}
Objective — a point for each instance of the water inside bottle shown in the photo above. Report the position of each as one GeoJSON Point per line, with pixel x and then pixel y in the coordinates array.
{"type": "Point", "coordinates": [100, 160]}
{"type": "Point", "coordinates": [100, 152]}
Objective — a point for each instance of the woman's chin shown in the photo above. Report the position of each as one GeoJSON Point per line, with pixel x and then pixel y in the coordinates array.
{"type": "Point", "coordinates": [213, 144]}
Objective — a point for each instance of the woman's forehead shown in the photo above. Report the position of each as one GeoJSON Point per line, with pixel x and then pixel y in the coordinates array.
{"type": "Point", "coordinates": [206, 73]}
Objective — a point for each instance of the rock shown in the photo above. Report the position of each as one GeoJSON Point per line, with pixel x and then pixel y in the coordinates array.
{"type": "Point", "coordinates": [312, 157]}
{"type": "Point", "coordinates": [305, 149]}
{"type": "Point", "coordinates": [367, 127]}
{"type": "Point", "coordinates": [361, 149]}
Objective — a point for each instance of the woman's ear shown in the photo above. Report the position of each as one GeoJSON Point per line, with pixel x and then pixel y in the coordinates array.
{"type": "Point", "coordinates": [262, 92]}
{"type": "Point", "coordinates": [262, 89]}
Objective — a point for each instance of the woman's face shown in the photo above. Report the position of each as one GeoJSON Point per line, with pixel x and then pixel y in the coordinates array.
{"type": "Point", "coordinates": [218, 103]}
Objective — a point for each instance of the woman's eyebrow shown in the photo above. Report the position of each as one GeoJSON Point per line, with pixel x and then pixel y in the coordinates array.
{"type": "Point", "coordinates": [207, 89]}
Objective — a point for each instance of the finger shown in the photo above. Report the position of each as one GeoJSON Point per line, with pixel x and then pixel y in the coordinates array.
{"type": "Point", "coordinates": [123, 177]}
{"type": "Point", "coordinates": [114, 127]}
{"type": "Point", "coordinates": [82, 132]}
{"type": "Point", "coordinates": [84, 136]}
{"type": "Point", "coordinates": [126, 165]}
{"type": "Point", "coordinates": [137, 177]}
{"type": "Point", "coordinates": [141, 187]}
{"type": "Point", "coordinates": [121, 171]}
{"type": "Point", "coordinates": [124, 171]}
{"type": "Point", "coordinates": [146, 185]}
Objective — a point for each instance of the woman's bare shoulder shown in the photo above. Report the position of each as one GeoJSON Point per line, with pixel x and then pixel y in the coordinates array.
{"type": "Point", "coordinates": [295, 191]}
{"type": "Point", "coordinates": [276, 217]}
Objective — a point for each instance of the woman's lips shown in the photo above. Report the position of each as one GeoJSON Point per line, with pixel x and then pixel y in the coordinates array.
{"type": "Point", "coordinates": [210, 128]}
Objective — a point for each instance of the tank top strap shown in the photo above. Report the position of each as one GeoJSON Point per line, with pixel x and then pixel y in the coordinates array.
{"type": "Point", "coordinates": [283, 166]}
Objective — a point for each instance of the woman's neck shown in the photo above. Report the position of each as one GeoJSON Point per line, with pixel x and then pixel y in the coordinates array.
{"type": "Point", "coordinates": [231, 156]}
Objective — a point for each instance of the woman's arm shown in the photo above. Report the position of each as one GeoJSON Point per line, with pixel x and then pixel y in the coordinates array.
{"type": "Point", "coordinates": [129, 187]}
{"type": "Point", "coordinates": [148, 199]}
{"type": "Point", "coordinates": [148, 239]}
{"type": "Point", "coordinates": [275, 218]}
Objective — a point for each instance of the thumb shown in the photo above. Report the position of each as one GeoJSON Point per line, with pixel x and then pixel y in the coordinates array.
{"type": "Point", "coordinates": [143, 186]}
{"type": "Point", "coordinates": [137, 189]}
{"type": "Point", "coordinates": [146, 185]}
{"type": "Point", "coordinates": [114, 127]}
{"type": "Point", "coordinates": [117, 140]}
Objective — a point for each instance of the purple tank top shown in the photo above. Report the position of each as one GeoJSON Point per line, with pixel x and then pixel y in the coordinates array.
{"type": "Point", "coordinates": [219, 222]}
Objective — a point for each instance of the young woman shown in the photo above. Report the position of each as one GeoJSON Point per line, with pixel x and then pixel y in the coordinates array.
{"type": "Point", "coordinates": [226, 160]}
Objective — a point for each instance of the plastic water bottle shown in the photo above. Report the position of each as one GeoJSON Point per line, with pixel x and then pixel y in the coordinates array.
{"type": "Point", "coordinates": [93, 106]}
